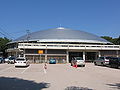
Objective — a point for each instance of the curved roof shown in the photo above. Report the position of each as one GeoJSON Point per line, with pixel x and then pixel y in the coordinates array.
{"type": "Point", "coordinates": [62, 35]}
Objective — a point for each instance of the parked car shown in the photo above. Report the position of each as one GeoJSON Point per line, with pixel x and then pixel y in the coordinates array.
{"type": "Point", "coordinates": [78, 60]}
{"type": "Point", "coordinates": [21, 61]}
{"type": "Point", "coordinates": [52, 61]}
{"type": "Point", "coordinates": [1, 60]}
{"type": "Point", "coordinates": [6, 60]}
{"type": "Point", "coordinates": [11, 60]}
{"type": "Point", "coordinates": [102, 61]}
{"type": "Point", "coordinates": [114, 62]}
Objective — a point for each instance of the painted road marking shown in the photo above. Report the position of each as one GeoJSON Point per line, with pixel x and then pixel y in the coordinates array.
{"type": "Point", "coordinates": [5, 69]}
{"type": "Point", "coordinates": [45, 71]}
{"type": "Point", "coordinates": [25, 70]}
{"type": "Point", "coordinates": [44, 68]}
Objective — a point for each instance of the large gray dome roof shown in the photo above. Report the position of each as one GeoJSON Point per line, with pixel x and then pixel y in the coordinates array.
{"type": "Point", "coordinates": [63, 35]}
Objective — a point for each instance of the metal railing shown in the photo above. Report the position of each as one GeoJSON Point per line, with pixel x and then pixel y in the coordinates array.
{"type": "Point", "coordinates": [68, 46]}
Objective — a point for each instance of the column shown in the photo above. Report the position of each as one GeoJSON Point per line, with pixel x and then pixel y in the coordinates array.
{"type": "Point", "coordinates": [99, 54]}
{"type": "Point", "coordinates": [24, 52]}
{"type": "Point", "coordinates": [16, 54]}
{"type": "Point", "coordinates": [67, 56]}
{"type": "Point", "coordinates": [117, 53]}
{"type": "Point", "coordinates": [45, 55]}
{"type": "Point", "coordinates": [33, 59]}
{"type": "Point", "coordinates": [24, 55]}
{"type": "Point", "coordinates": [84, 55]}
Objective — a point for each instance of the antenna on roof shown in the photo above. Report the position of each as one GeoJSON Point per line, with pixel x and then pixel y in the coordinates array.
{"type": "Point", "coordinates": [28, 35]}
{"type": "Point", "coordinates": [60, 27]}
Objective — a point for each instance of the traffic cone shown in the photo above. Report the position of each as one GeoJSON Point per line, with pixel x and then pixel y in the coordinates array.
{"type": "Point", "coordinates": [76, 66]}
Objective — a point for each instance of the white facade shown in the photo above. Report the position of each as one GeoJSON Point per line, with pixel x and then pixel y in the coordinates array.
{"type": "Point", "coordinates": [62, 44]}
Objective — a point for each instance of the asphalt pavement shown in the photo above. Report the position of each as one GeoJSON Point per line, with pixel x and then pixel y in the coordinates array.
{"type": "Point", "coordinates": [59, 77]}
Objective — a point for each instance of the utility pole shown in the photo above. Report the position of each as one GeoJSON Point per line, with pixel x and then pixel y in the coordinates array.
{"type": "Point", "coordinates": [23, 48]}
{"type": "Point", "coordinates": [28, 35]}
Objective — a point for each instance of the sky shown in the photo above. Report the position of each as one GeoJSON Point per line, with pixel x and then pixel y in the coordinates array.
{"type": "Point", "coordinates": [100, 17]}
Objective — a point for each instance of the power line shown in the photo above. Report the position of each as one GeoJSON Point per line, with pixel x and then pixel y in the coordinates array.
{"type": "Point", "coordinates": [6, 34]}
{"type": "Point", "coordinates": [3, 34]}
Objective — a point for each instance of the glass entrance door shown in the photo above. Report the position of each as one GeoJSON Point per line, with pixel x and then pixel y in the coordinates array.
{"type": "Point", "coordinates": [90, 56]}
{"type": "Point", "coordinates": [36, 58]}
{"type": "Point", "coordinates": [75, 54]}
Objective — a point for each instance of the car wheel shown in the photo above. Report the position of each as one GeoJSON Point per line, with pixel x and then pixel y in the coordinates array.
{"type": "Point", "coordinates": [95, 63]}
{"type": "Point", "coordinates": [102, 63]}
{"type": "Point", "coordinates": [111, 66]}
{"type": "Point", "coordinates": [116, 66]}
{"type": "Point", "coordinates": [83, 65]}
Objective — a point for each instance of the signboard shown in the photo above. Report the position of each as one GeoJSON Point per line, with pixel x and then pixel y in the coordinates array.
{"type": "Point", "coordinates": [40, 51]}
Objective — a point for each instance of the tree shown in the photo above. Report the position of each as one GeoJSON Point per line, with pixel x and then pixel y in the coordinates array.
{"type": "Point", "coordinates": [110, 39]}
{"type": "Point", "coordinates": [118, 41]}
{"type": "Point", "coordinates": [3, 46]}
{"type": "Point", "coordinates": [115, 41]}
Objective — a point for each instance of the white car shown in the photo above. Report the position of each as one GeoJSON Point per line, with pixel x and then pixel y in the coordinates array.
{"type": "Point", "coordinates": [6, 60]}
{"type": "Point", "coordinates": [11, 60]}
{"type": "Point", "coordinates": [21, 61]}
{"type": "Point", "coordinates": [79, 61]}
{"type": "Point", "coordinates": [102, 61]}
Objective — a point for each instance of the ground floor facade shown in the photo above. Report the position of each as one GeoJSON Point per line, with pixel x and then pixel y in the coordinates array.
{"type": "Point", "coordinates": [63, 55]}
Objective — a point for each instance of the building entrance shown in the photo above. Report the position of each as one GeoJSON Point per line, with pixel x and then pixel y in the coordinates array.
{"type": "Point", "coordinates": [75, 54]}
{"type": "Point", "coordinates": [36, 58]}
{"type": "Point", "coordinates": [58, 58]}
{"type": "Point", "coordinates": [91, 56]}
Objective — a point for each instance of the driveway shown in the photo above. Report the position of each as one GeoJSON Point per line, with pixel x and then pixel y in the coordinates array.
{"type": "Point", "coordinates": [59, 77]}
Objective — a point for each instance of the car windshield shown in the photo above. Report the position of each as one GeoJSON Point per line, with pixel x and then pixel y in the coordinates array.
{"type": "Point", "coordinates": [20, 59]}
{"type": "Point", "coordinates": [108, 57]}
{"type": "Point", "coordinates": [104, 58]}
{"type": "Point", "coordinates": [79, 58]}
{"type": "Point", "coordinates": [101, 58]}
{"type": "Point", "coordinates": [52, 59]}
{"type": "Point", "coordinates": [11, 58]}
{"type": "Point", "coordinates": [116, 58]}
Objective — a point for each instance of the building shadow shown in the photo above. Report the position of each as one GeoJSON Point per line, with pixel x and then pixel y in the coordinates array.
{"type": "Point", "coordinates": [77, 88]}
{"type": "Point", "coordinates": [114, 86]}
{"type": "Point", "coordinates": [7, 83]}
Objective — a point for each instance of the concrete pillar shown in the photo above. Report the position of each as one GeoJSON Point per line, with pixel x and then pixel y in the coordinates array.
{"type": "Point", "coordinates": [84, 55]}
{"type": "Point", "coordinates": [45, 55]}
{"type": "Point", "coordinates": [67, 56]}
{"type": "Point", "coordinates": [24, 55]}
{"type": "Point", "coordinates": [96, 55]}
{"type": "Point", "coordinates": [99, 54]}
{"type": "Point", "coordinates": [16, 54]}
{"type": "Point", "coordinates": [24, 52]}
{"type": "Point", "coordinates": [117, 53]}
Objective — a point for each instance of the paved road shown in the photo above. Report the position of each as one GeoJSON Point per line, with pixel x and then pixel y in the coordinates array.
{"type": "Point", "coordinates": [59, 77]}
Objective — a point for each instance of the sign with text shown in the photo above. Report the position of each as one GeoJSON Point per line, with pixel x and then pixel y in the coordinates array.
{"type": "Point", "coordinates": [40, 51]}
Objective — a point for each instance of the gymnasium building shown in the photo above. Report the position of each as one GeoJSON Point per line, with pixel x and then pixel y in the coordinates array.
{"type": "Point", "coordinates": [61, 44]}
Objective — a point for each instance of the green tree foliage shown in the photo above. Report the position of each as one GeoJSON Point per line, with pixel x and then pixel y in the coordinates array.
{"type": "Point", "coordinates": [115, 41]}
{"type": "Point", "coordinates": [107, 38]}
{"type": "Point", "coordinates": [3, 46]}
{"type": "Point", "coordinates": [118, 41]}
